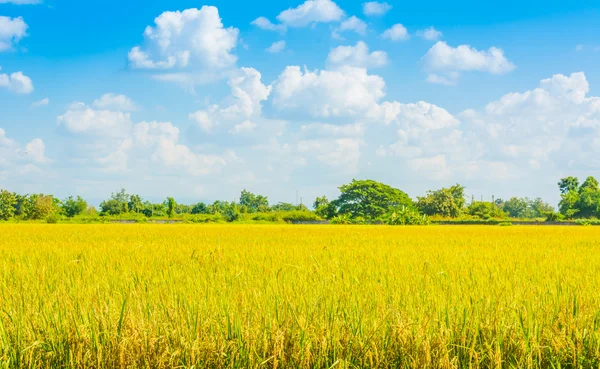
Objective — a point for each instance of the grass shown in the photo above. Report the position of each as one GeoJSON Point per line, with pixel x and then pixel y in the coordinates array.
{"type": "Point", "coordinates": [279, 296]}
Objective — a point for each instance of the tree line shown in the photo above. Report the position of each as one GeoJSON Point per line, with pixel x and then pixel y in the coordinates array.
{"type": "Point", "coordinates": [360, 201]}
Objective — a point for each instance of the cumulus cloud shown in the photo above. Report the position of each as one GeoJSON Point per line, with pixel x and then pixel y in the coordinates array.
{"type": "Point", "coordinates": [373, 8]}
{"type": "Point", "coordinates": [115, 102]}
{"type": "Point", "coordinates": [443, 58]}
{"type": "Point", "coordinates": [351, 24]}
{"type": "Point", "coordinates": [396, 33]}
{"type": "Point", "coordinates": [430, 34]}
{"type": "Point", "coordinates": [36, 150]}
{"type": "Point", "coordinates": [189, 38]}
{"type": "Point", "coordinates": [347, 91]}
{"type": "Point", "coordinates": [16, 82]}
{"type": "Point", "coordinates": [356, 56]}
{"type": "Point", "coordinates": [15, 159]}
{"type": "Point", "coordinates": [276, 47]}
{"type": "Point", "coordinates": [264, 23]}
{"type": "Point", "coordinates": [83, 119]}
{"type": "Point", "coordinates": [106, 137]}
{"type": "Point", "coordinates": [553, 125]}
{"type": "Point", "coordinates": [311, 11]}
{"type": "Point", "coordinates": [244, 127]}
{"type": "Point", "coordinates": [12, 30]}
{"type": "Point", "coordinates": [247, 94]}
{"type": "Point", "coordinates": [340, 153]}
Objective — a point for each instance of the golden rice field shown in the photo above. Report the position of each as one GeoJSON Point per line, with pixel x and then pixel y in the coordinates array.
{"type": "Point", "coordinates": [282, 296]}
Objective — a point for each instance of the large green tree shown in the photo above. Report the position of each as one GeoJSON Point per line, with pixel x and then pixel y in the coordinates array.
{"type": "Point", "coordinates": [446, 202]}
{"type": "Point", "coordinates": [73, 206]}
{"type": "Point", "coordinates": [369, 199]}
{"type": "Point", "coordinates": [117, 204]}
{"type": "Point", "coordinates": [254, 203]}
{"type": "Point", "coordinates": [579, 201]}
{"type": "Point", "coordinates": [8, 200]}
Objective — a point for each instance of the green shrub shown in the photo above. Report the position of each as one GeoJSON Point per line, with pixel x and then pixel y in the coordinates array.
{"type": "Point", "coordinates": [299, 216]}
{"type": "Point", "coordinates": [267, 217]}
{"type": "Point", "coordinates": [52, 218]}
{"type": "Point", "coordinates": [505, 224]}
{"type": "Point", "coordinates": [406, 216]}
{"type": "Point", "coordinates": [342, 219]}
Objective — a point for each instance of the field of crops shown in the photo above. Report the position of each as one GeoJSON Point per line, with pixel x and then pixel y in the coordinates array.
{"type": "Point", "coordinates": [278, 296]}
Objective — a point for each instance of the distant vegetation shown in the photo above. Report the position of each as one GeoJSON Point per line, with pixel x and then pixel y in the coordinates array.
{"type": "Point", "coordinates": [360, 202]}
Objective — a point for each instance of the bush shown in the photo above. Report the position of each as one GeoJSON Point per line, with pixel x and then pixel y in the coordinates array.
{"type": "Point", "coordinates": [232, 213]}
{"type": "Point", "coordinates": [505, 224]}
{"type": "Point", "coordinates": [553, 217]}
{"type": "Point", "coordinates": [204, 218]}
{"type": "Point", "coordinates": [342, 219]}
{"type": "Point", "coordinates": [267, 217]}
{"type": "Point", "coordinates": [406, 216]}
{"type": "Point", "coordinates": [299, 216]}
{"type": "Point", "coordinates": [52, 218]}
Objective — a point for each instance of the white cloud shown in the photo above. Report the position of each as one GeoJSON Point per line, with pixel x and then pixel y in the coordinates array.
{"type": "Point", "coordinates": [452, 60]}
{"type": "Point", "coordinates": [356, 56]}
{"type": "Point", "coordinates": [162, 140]}
{"type": "Point", "coordinates": [372, 8]}
{"type": "Point", "coordinates": [16, 160]}
{"type": "Point", "coordinates": [244, 127]}
{"type": "Point", "coordinates": [449, 79]}
{"type": "Point", "coordinates": [16, 82]}
{"type": "Point", "coordinates": [346, 91]}
{"type": "Point", "coordinates": [353, 24]}
{"type": "Point", "coordinates": [276, 47]}
{"type": "Point", "coordinates": [36, 151]}
{"type": "Point", "coordinates": [12, 30]}
{"type": "Point", "coordinates": [114, 101]}
{"type": "Point", "coordinates": [579, 47]}
{"type": "Point", "coordinates": [434, 167]}
{"type": "Point", "coordinates": [341, 153]}
{"type": "Point", "coordinates": [396, 33]}
{"type": "Point", "coordinates": [43, 102]}
{"type": "Point", "coordinates": [333, 130]}
{"type": "Point", "coordinates": [430, 34]}
{"type": "Point", "coordinates": [553, 126]}
{"type": "Point", "coordinates": [108, 139]}
{"type": "Point", "coordinates": [311, 11]}
{"type": "Point", "coordinates": [189, 38]}
{"type": "Point", "coordinates": [245, 101]}
{"type": "Point", "coordinates": [264, 23]}
{"type": "Point", "coordinates": [82, 119]}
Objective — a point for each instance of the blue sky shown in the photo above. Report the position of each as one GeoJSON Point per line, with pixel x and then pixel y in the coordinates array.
{"type": "Point", "coordinates": [200, 100]}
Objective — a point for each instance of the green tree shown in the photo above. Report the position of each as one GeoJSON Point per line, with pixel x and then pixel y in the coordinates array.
{"type": "Point", "coordinates": [539, 208]}
{"type": "Point", "coordinates": [446, 202]}
{"type": "Point", "coordinates": [117, 204]}
{"type": "Point", "coordinates": [284, 206]}
{"type": "Point", "coordinates": [254, 203]}
{"type": "Point", "coordinates": [568, 184]}
{"type": "Point", "coordinates": [369, 199]}
{"type": "Point", "coordinates": [517, 207]}
{"type": "Point", "coordinates": [44, 206]}
{"type": "Point", "coordinates": [569, 197]}
{"type": "Point", "coordinates": [73, 206]}
{"type": "Point", "coordinates": [171, 205]}
{"type": "Point", "coordinates": [8, 200]}
{"type": "Point", "coordinates": [200, 208]}
{"type": "Point", "coordinates": [324, 208]}
{"type": "Point", "coordinates": [589, 199]}
{"type": "Point", "coordinates": [135, 204]}
{"type": "Point", "coordinates": [485, 210]}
